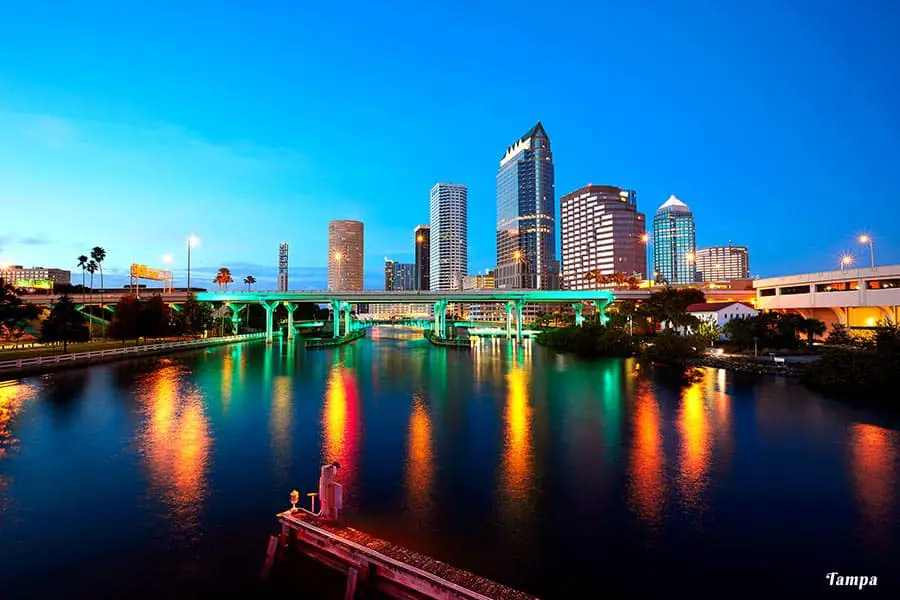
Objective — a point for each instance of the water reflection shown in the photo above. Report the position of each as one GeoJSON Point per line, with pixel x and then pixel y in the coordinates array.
{"type": "Point", "coordinates": [341, 423]}
{"type": "Point", "coordinates": [280, 422]}
{"type": "Point", "coordinates": [694, 428]}
{"type": "Point", "coordinates": [420, 462]}
{"type": "Point", "coordinates": [175, 442]}
{"type": "Point", "coordinates": [647, 462]}
{"type": "Point", "coordinates": [518, 453]}
{"type": "Point", "coordinates": [13, 397]}
{"type": "Point", "coordinates": [227, 374]}
{"type": "Point", "coordinates": [873, 456]}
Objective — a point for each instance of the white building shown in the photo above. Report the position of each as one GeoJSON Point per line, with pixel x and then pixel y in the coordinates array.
{"type": "Point", "coordinates": [722, 263]}
{"type": "Point", "coordinates": [721, 313]}
{"type": "Point", "coordinates": [34, 277]}
{"type": "Point", "coordinates": [449, 236]}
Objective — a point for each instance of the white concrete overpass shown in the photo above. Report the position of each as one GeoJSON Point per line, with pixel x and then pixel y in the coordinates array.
{"type": "Point", "coordinates": [852, 297]}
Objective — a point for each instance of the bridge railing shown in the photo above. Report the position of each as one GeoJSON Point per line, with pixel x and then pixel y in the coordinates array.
{"type": "Point", "coordinates": [137, 350]}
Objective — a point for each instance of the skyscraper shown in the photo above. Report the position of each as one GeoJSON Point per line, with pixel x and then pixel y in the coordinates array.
{"type": "Point", "coordinates": [422, 235]}
{"type": "Point", "coordinates": [723, 263]}
{"type": "Point", "coordinates": [449, 236]}
{"type": "Point", "coordinates": [399, 276]}
{"type": "Point", "coordinates": [601, 231]}
{"type": "Point", "coordinates": [526, 209]}
{"type": "Point", "coordinates": [282, 267]}
{"type": "Point", "coordinates": [345, 256]}
{"type": "Point", "coordinates": [674, 243]}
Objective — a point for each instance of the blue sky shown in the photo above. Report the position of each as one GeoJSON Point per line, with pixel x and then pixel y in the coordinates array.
{"type": "Point", "coordinates": [133, 124]}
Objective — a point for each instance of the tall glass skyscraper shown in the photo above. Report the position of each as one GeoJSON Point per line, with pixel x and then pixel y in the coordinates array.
{"type": "Point", "coordinates": [345, 256]}
{"type": "Point", "coordinates": [449, 236]}
{"type": "Point", "coordinates": [526, 215]}
{"type": "Point", "coordinates": [674, 243]}
{"type": "Point", "coordinates": [422, 234]}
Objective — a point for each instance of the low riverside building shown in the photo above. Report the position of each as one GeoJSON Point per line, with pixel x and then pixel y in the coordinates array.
{"type": "Point", "coordinates": [721, 313]}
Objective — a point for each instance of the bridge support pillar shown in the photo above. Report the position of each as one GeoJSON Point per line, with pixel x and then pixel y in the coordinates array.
{"type": "Point", "coordinates": [519, 306]}
{"type": "Point", "coordinates": [336, 317]}
{"type": "Point", "coordinates": [236, 310]}
{"type": "Point", "coordinates": [290, 314]}
{"type": "Point", "coordinates": [509, 309]}
{"type": "Point", "coordinates": [270, 310]}
{"type": "Point", "coordinates": [440, 318]}
{"type": "Point", "coordinates": [579, 319]}
{"type": "Point", "coordinates": [601, 308]}
{"type": "Point", "coordinates": [348, 323]}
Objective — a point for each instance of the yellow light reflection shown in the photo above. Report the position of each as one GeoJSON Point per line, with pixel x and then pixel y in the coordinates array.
{"type": "Point", "coordinates": [13, 396]}
{"type": "Point", "coordinates": [873, 459]}
{"type": "Point", "coordinates": [420, 463]}
{"type": "Point", "coordinates": [176, 442]}
{"type": "Point", "coordinates": [341, 422]}
{"type": "Point", "coordinates": [517, 460]}
{"type": "Point", "coordinates": [280, 420]}
{"type": "Point", "coordinates": [694, 427]}
{"type": "Point", "coordinates": [648, 483]}
{"type": "Point", "coordinates": [227, 373]}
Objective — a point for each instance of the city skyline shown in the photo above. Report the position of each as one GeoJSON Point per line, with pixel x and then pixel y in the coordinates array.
{"type": "Point", "coordinates": [98, 137]}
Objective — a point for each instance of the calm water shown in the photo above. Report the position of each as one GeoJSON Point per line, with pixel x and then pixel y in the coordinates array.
{"type": "Point", "coordinates": [161, 476]}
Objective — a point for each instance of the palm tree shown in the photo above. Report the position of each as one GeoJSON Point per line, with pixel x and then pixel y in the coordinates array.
{"type": "Point", "coordinates": [91, 268]}
{"type": "Point", "coordinates": [98, 254]}
{"type": "Point", "coordinates": [82, 262]}
{"type": "Point", "coordinates": [599, 278]}
{"type": "Point", "coordinates": [223, 278]}
{"type": "Point", "coordinates": [249, 280]}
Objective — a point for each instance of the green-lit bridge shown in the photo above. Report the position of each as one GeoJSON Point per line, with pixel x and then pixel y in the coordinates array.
{"type": "Point", "coordinates": [341, 302]}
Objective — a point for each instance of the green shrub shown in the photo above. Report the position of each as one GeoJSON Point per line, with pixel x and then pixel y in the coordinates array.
{"type": "Point", "coordinates": [591, 339]}
{"type": "Point", "coordinates": [670, 348]}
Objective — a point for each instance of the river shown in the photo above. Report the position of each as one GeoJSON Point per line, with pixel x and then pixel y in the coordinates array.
{"type": "Point", "coordinates": [566, 478]}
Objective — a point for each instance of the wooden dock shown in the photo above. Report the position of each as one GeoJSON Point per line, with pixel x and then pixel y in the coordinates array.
{"type": "Point", "coordinates": [373, 563]}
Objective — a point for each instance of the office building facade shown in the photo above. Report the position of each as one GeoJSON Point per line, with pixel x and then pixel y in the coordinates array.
{"type": "Point", "coordinates": [422, 236]}
{"type": "Point", "coordinates": [526, 215]}
{"type": "Point", "coordinates": [282, 267]}
{"type": "Point", "coordinates": [723, 263]}
{"type": "Point", "coordinates": [399, 276]}
{"type": "Point", "coordinates": [345, 256]}
{"type": "Point", "coordinates": [674, 243]}
{"type": "Point", "coordinates": [601, 230]}
{"type": "Point", "coordinates": [34, 278]}
{"type": "Point", "coordinates": [449, 250]}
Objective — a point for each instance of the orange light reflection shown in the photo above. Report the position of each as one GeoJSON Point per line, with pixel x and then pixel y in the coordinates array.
{"type": "Point", "coordinates": [176, 442]}
{"type": "Point", "coordinates": [693, 424]}
{"type": "Point", "coordinates": [518, 452]}
{"type": "Point", "coordinates": [341, 424]}
{"type": "Point", "coordinates": [420, 463]}
{"type": "Point", "coordinates": [648, 483]}
{"type": "Point", "coordinates": [873, 459]}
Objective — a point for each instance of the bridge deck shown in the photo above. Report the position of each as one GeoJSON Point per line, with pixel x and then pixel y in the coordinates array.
{"type": "Point", "coordinates": [399, 566]}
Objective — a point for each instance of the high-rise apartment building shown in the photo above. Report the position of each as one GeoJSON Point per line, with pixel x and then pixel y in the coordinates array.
{"type": "Point", "coordinates": [526, 209]}
{"type": "Point", "coordinates": [422, 236]}
{"type": "Point", "coordinates": [674, 243]}
{"type": "Point", "coordinates": [601, 231]}
{"type": "Point", "coordinates": [723, 263]}
{"type": "Point", "coordinates": [345, 256]}
{"type": "Point", "coordinates": [479, 282]}
{"type": "Point", "coordinates": [449, 236]}
{"type": "Point", "coordinates": [399, 276]}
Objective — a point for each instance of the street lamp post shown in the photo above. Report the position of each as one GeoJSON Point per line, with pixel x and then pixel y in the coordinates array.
{"type": "Point", "coordinates": [867, 239]}
{"type": "Point", "coordinates": [191, 241]}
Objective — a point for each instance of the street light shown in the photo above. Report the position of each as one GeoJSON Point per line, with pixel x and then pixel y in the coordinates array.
{"type": "Point", "coordinates": [192, 241]}
{"type": "Point", "coordinates": [867, 239]}
{"type": "Point", "coordinates": [338, 256]}
{"type": "Point", "coordinates": [846, 261]}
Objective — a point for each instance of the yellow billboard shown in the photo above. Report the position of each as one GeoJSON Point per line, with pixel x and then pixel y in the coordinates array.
{"type": "Point", "coordinates": [145, 272]}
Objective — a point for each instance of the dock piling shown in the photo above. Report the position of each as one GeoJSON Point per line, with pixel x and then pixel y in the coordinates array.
{"type": "Point", "coordinates": [350, 591]}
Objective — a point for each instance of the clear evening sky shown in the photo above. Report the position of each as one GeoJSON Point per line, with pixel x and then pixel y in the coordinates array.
{"type": "Point", "coordinates": [131, 125]}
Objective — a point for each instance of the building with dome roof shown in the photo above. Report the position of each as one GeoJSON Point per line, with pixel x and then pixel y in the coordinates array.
{"type": "Point", "coordinates": [674, 243]}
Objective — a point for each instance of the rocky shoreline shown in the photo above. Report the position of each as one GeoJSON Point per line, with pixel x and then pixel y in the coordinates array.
{"type": "Point", "coordinates": [750, 365]}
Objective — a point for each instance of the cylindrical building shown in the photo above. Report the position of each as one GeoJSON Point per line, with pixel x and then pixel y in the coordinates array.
{"type": "Point", "coordinates": [449, 236]}
{"type": "Point", "coordinates": [345, 256]}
